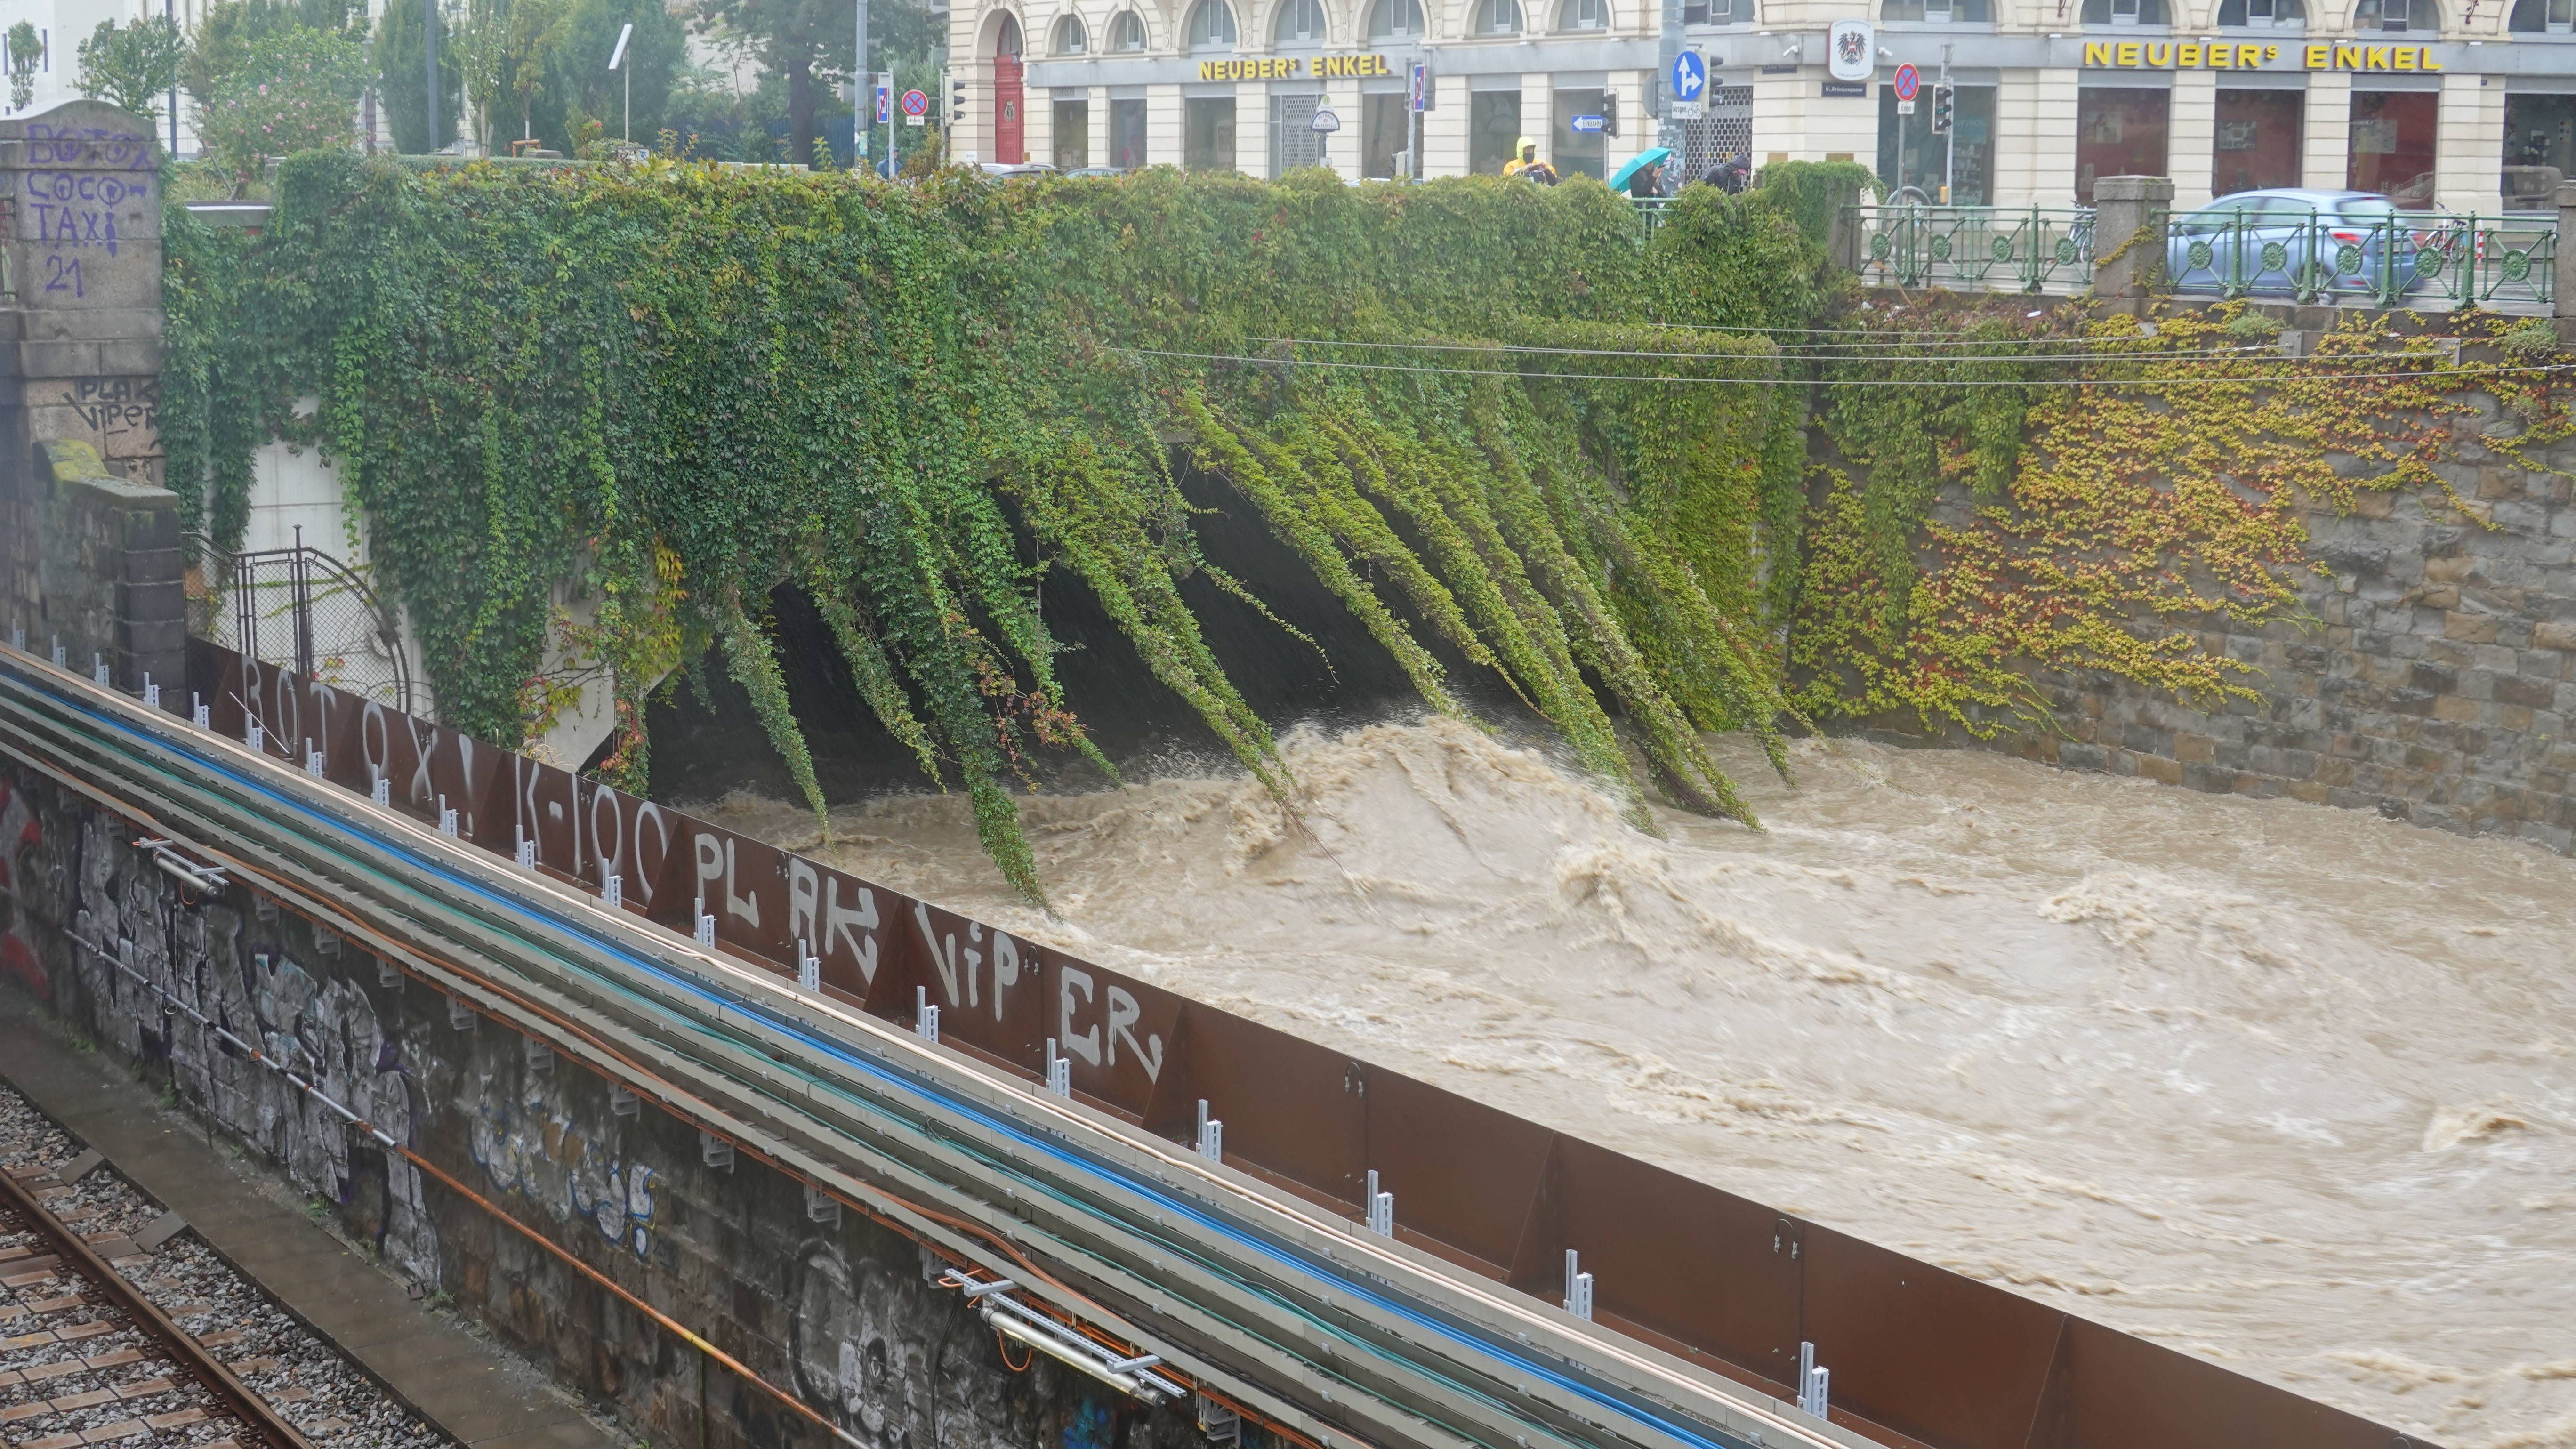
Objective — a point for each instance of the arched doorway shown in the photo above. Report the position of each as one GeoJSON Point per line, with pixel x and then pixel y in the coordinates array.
{"type": "Point", "coordinates": [1010, 99]}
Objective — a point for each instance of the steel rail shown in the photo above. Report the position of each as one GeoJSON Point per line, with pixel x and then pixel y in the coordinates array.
{"type": "Point", "coordinates": [1421, 1321]}
{"type": "Point", "coordinates": [192, 1357]}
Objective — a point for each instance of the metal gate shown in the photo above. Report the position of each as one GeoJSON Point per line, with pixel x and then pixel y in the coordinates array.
{"type": "Point", "coordinates": [1293, 139]}
{"type": "Point", "coordinates": [1727, 130]}
{"type": "Point", "coordinates": [300, 609]}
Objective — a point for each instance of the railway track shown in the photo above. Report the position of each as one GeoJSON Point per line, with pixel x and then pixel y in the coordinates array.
{"type": "Point", "coordinates": [105, 1341]}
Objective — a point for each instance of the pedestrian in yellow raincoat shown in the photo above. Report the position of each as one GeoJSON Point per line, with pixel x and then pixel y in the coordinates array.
{"type": "Point", "coordinates": [1525, 163]}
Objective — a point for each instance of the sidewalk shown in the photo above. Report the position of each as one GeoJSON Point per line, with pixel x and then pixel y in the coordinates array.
{"type": "Point", "coordinates": [454, 1379]}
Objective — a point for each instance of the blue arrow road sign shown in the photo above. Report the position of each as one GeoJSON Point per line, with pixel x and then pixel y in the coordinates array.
{"type": "Point", "coordinates": [1690, 76]}
{"type": "Point", "coordinates": [1585, 125]}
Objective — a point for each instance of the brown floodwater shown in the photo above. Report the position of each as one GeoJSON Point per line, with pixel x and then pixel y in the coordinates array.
{"type": "Point", "coordinates": [2287, 1087]}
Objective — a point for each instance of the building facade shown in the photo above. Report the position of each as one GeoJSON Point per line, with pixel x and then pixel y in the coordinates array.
{"type": "Point", "coordinates": [2468, 105]}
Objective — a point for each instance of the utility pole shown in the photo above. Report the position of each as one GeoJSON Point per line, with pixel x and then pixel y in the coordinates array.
{"type": "Point", "coordinates": [1668, 48]}
{"type": "Point", "coordinates": [169, 12]}
{"type": "Point", "coordinates": [859, 75]}
{"type": "Point", "coordinates": [429, 47]}
{"type": "Point", "coordinates": [1942, 98]}
{"type": "Point", "coordinates": [617, 62]}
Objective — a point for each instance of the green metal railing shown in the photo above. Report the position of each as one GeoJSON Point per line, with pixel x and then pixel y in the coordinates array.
{"type": "Point", "coordinates": [1977, 248]}
{"type": "Point", "coordinates": [2393, 259]}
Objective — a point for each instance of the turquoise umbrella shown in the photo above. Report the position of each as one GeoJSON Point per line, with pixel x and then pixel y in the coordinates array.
{"type": "Point", "coordinates": [1643, 160]}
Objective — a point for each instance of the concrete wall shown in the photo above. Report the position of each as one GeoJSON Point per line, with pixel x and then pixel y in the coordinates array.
{"type": "Point", "coordinates": [844, 1312]}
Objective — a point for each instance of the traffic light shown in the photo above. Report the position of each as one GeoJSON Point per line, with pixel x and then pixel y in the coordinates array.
{"type": "Point", "coordinates": [1609, 113]}
{"type": "Point", "coordinates": [956, 99]}
{"type": "Point", "coordinates": [1941, 109]}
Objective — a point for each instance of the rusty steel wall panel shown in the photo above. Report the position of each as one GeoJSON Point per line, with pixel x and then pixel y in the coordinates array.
{"type": "Point", "coordinates": [1918, 1355]}
{"type": "Point", "coordinates": [1927, 1352]}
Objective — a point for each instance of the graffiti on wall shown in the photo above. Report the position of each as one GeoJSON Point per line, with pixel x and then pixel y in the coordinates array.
{"type": "Point", "coordinates": [528, 1146]}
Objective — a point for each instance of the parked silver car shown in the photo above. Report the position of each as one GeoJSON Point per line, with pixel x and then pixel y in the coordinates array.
{"type": "Point", "coordinates": [2297, 242]}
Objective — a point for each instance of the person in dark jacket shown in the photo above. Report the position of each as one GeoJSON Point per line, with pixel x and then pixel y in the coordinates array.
{"type": "Point", "coordinates": [1647, 181]}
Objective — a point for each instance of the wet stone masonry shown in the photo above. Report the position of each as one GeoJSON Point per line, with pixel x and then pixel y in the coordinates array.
{"type": "Point", "coordinates": [844, 1311]}
{"type": "Point", "coordinates": [2435, 682]}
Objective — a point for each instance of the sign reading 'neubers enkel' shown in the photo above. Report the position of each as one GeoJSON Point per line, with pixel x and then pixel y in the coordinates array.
{"type": "Point", "coordinates": [2248, 55]}
{"type": "Point", "coordinates": [1281, 67]}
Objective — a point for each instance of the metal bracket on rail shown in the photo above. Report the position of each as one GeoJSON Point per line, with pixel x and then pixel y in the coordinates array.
{"type": "Point", "coordinates": [1026, 1326]}
{"type": "Point", "coordinates": [204, 879]}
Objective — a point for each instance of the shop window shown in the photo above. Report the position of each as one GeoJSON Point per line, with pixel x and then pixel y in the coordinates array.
{"type": "Point", "coordinates": [1127, 33]}
{"type": "Point", "coordinates": [1493, 124]}
{"type": "Point", "coordinates": [2393, 134]}
{"type": "Point", "coordinates": [2544, 17]}
{"type": "Point", "coordinates": [1395, 20]}
{"type": "Point", "coordinates": [1914, 160]}
{"type": "Point", "coordinates": [2539, 150]}
{"type": "Point", "coordinates": [1386, 131]}
{"type": "Point", "coordinates": [1583, 15]}
{"type": "Point", "coordinates": [1939, 12]}
{"type": "Point", "coordinates": [1720, 12]}
{"type": "Point", "coordinates": [1211, 27]}
{"type": "Point", "coordinates": [2257, 142]}
{"type": "Point", "coordinates": [1207, 133]}
{"type": "Point", "coordinates": [2119, 131]}
{"type": "Point", "coordinates": [1498, 17]}
{"type": "Point", "coordinates": [2261, 14]}
{"type": "Point", "coordinates": [1072, 135]}
{"type": "Point", "coordinates": [2396, 15]}
{"type": "Point", "coordinates": [1301, 22]}
{"type": "Point", "coordinates": [1127, 134]}
{"type": "Point", "coordinates": [1572, 152]}
{"type": "Point", "coordinates": [1070, 37]}
{"type": "Point", "coordinates": [2128, 12]}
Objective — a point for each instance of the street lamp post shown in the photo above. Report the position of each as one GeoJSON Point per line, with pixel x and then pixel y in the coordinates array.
{"type": "Point", "coordinates": [617, 62]}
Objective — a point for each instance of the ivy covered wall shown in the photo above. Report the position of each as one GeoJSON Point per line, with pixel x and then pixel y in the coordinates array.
{"type": "Point", "coordinates": [680, 388]}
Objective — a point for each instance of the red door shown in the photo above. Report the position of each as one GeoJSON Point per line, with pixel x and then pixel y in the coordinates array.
{"type": "Point", "coordinates": [1010, 112]}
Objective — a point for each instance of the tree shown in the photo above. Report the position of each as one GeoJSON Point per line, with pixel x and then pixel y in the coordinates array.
{"type": "Point", "coordinates": [799, 40]}
{"type": "Point", "coordinates": [132, 66]}
{"type": "Point", "coordinates": [402, 73]}
{"type": "Point", "coordinates": [295, 90]}
{"type": "Point", "coordinates": [502, 49]}
{"type": "Point", "coordinates": [26, 53]}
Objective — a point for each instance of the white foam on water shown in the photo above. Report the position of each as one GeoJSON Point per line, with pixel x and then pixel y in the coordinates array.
{"type": "Point", "coordinates": [2286, 1086]}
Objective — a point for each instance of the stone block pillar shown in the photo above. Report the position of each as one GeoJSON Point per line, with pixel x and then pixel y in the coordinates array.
{"type": "Point", "coordinates": [2563, 297]}
{"type": "Point", "coordinates": [89, 545]}
{"type": "Point", "coordinates": [2129, 238]}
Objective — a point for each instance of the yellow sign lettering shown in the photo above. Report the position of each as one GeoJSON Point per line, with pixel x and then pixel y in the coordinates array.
{"type": "Point", "coordinates": [2097, 52]}
{"type": "Point", "coordinates": [2378, 58]}
{"type": "Point", "coordinates": [2315, 57]}
{"type": "Point", "coordinates": [2424, 58]}
{"type": "Point", "coordinates": [2406, 57]}
{"type": "Point", "coordinates": [2128, 52]}
{"type": "Point", "coordinates": [2347, 57]}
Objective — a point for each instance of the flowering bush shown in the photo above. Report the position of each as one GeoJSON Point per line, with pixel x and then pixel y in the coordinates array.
{"type": "Point", "coordinates": [296, 90]}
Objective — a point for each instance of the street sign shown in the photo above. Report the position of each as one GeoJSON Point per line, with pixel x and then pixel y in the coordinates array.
{"type": "Point", "coordinates": [1907, 82]}
{"type": "Point", "coordinates": [915, 107]}
{"type": "Point", "coordinates": [1325, 123]}
{"type": "Point", "coordinates": [885, 98]}
{"type": "Point", "coordinates": [1419, 87]}
{"type": "Point", "coordinates": [1905, 108]}
{"type": "Point", "coordinates": [1689, 82]}
{"type": "Point", "coordinates": [1586, 125]}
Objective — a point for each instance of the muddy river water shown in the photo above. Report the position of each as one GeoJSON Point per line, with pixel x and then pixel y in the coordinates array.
{"type": "Point", "coordinates": [2288, 1087]}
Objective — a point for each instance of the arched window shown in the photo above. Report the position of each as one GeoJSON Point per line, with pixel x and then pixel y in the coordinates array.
{"type": "Point", "coordinates": [2396, 15]}
{"type": "Point", "coordinates": [2544, 17]}
{"type": "Point", "coordinates": [2132, 12]}
{"type": "Point", "coordinates": [1007, 40]}
{"type": "Point", "coordinates": [1498, 17]}
{"type": "Point", "coordinates": [1940, 12]}
{"type": "Point", "coordinates": [2261, 14]}
{"type": "Point", "coordinates": [1395, 20]}
{"type": "Point", "coordinates": [1211, 26]}
{"type": "Point", "coordinates": [1583, 15]}
{"type": "Point", "coordinates": [1070, 37]}
{"type": "Point", "coordinates": [1127, 33]}
{"type": "Point", "coordinates": [1301, 22]}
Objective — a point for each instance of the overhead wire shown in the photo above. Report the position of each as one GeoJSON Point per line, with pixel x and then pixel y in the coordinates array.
{"type": "Point", "coordinates": [2090, 355]}
{"type": "Point", "coordinates": [2268, 379]}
